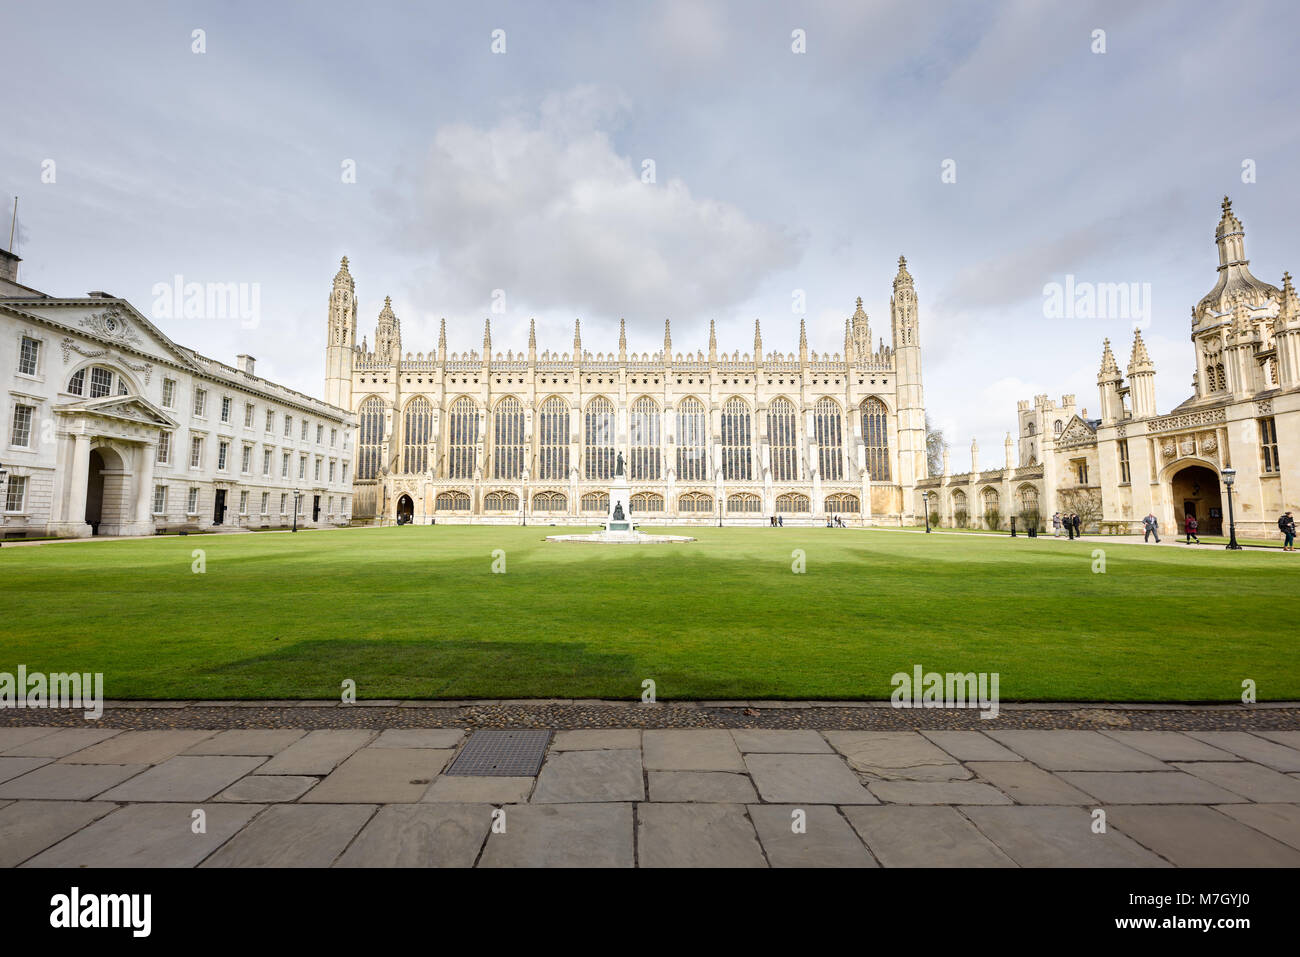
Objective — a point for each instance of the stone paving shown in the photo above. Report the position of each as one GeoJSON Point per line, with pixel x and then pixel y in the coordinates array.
{"type": "Point", "coordinates": [623, 797]}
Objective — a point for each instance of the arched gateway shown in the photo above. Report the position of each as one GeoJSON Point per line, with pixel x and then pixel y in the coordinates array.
{"type": "Point", "coordinates": [1195, 490]}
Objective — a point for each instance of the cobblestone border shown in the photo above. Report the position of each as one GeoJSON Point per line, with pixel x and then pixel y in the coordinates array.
{"type": "Point", "coordinates": [572, 715]}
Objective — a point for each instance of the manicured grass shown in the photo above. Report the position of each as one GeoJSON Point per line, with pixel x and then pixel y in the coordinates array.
{"type": "Point", "coordinates": [416, 612]}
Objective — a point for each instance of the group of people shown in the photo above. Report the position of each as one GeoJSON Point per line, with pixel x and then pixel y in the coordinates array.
{"type": "Point", "coordinates": [1286, 525]}
{"type": "Point", "coordinates": [1071, 522]}
{"type": "Point", "coordinates": [777, 521]}
{"type": "Point", "coordinates": [834, 521]}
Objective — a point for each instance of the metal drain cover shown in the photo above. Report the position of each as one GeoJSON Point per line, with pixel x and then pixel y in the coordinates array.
{"type": "Point", "coordinates": [516, 754]}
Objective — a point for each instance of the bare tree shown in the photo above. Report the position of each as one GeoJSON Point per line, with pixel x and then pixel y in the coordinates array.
{"type": "Point", "coordinates": [1086, 502]}
{"type": "Point", "coordinates": [935, 446]}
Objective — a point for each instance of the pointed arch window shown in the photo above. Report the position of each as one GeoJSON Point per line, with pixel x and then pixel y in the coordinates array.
{"type": "Point", "coordinates": [598, 446]}
{"type": "Point", "coordinates": [417, 426]}
{"type": "Point", "coordinates": [643, 438]}
{"type": "Point", "coordinates": [462, 438]}
{"type": "Point", "coordinates": [875, 437]}
{"type": "Point", "coordinates": [553, 425]}
{"type": "Point", "coordinates": [737, 450]}
{"type": "Point", "coordinates": [508, 439]}
{"type": "Point", "coordinates": [828, 428]}
{"type": "Point", "coordinates": [783, 439]}
{"type": "Point", "coordinates": [371, 437]}
{"type": "Point", "coordinates": [692, 441]}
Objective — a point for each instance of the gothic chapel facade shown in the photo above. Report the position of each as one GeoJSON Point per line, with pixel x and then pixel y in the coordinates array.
{"type": "Point", "coordinates": [493, 437]}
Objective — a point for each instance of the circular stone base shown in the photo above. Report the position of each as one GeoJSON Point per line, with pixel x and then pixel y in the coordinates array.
{"type": "Point", "coordinates": [622, 538]}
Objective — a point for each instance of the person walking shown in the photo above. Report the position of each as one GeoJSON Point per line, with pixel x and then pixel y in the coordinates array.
{"type": "Point", "coordinates": [1190, 526]}
{"type": "Point", "coordinates": [1056, 525]}
{"type": "Point", "coordinates": [1286, 524]}
{"type": "Point", "coordinates": [1150, 527]}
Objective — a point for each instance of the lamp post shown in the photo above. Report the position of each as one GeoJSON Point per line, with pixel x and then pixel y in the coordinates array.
{"type": "Point", "coordinates": [297, 495]}
{"type": "Point", "coordinates": [1230, 476]}
{"type": "Point", "coordinates": [925, 497]}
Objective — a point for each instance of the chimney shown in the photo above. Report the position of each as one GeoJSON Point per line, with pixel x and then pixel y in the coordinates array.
{"type": "Point", "coordinates": [9, 265]}
{"type": "Point", "coordinates": [245, 363]}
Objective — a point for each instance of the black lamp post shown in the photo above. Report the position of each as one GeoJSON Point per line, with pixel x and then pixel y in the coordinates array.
{"type": "Point", "coordinates": [925, 497]}
{"type": "Point", "coordinates": [1230, 476]}
{"type": "Point", "coordinates": [297, 495]}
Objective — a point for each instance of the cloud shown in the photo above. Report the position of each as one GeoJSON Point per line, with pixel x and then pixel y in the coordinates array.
{"type": "Point", "coordinates": [542, 206]}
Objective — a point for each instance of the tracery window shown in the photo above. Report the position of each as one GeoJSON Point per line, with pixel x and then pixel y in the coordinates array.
{"type": "Point", "coordinates": [842, 503]}
{"type": "Point", "coordinates": [462, 438]}
{"type": "Point", "coordinates": [783, 440]}
{"type": "Point", "coordinates": [744, 502]}
{"type": "Point", "coordinates": [737, 457]}
{"type": "Point", "coordinates": [647, 502]}
{"type": "Point", "coordinates": [695, 503]}
{"type": "Point", "coordinates": [828, 430]}
{"type": "Point", "coordinates": [501, 502]}
{"type": "Point", "coordinates": [549, 502]}
{"type": "Point", "coordinates": [508, 439]}
{"type": "Point", "coordinates": [417, 426]}
{"type": "Point", "coordinates": [595, 502]}
{"type": "Point", "coordinates": [553, 446]}
{"type": "Point", "coordinates": [454, 501]}
{"type": "Point", "coordinates": [875, 437]}
{"type": "Point", "coordinates": [598, 444]}
{"type": "Point", "coordinates": [643, 440]}
{"type": "Point", "coordinates": [792, 502]}
{"type": "Point", "coordinates": [371, 428]}
{"type": "Point", "coordinates": [692, 441]}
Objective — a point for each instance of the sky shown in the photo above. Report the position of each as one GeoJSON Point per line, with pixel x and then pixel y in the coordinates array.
{"type": "Point", "coordinates": [691, 161]}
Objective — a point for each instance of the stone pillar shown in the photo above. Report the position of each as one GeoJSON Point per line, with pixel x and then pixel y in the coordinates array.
{"type": "Point", "coordinates": [144, 486]}
{"type": "Point", "coordinates": [80, 476]}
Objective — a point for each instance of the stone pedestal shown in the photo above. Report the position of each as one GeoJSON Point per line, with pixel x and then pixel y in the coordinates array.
{"type": "Point", "coordinates": [619, 516]}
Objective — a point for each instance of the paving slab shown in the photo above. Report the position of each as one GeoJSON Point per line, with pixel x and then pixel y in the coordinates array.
{"type": "Point", "coordinates": [421, 835]}
{"type": "Point", "coordinates": [1058, 837]}
{"type": "Point", "coordinates": [465, 789]}
{"type": "Point", "coordinates": [1289, 738]}
{"type": "Point", "coordinates": [11, 768]}
{"type": "Point", "coordinates": [1027, 783]}
{"type": "Point", "coordinates": [825, 838]}
{"type": "Point", "coordinates": [562, 835]}
{"type": "Point", "coordinates": [1279, 821]}
{"type": "Point", "coordinates": [1149, 787]}
{"type": "Point", "coordinates": [149, 835]}
{"type": "Point", "coordinates": [1248, 779]}
{"type": "Point", "coordinates": [896, 756]}
{"type": "Point", "coordinates": [1253, 748]}
{"type": "Point", "coordinates": [185, 778]}
{"type": "Point", "coordinates": [806, 778]}
{"type": "Point", "coordinates": [320, 752]}
{"type": "Point", "coordinates": [139, 747]}
{"type": "Point", "coordinates": [971, 746]}
{"type": "Point", "coordinates": [693, 750]}
{"type": "Point", "coordinates": [1170, 745]}
{"type": "Point", "coordinates": [780, 742]}
{"type": "Point", "coordinates": [293, 835]}
{"type": "Point", "coordinates": [584, 777]}
{"type": "Point", "coordinates": [1201, 837]}
{"type": "Point", "coordinates": [268, 788]}
{"type": "Point", "coordinates": [67, 782]}
{"type": "Point", "coordinates": [614, 739]}
{"type": "Point", "coordinates": [1077, 751]}
{"type": "Point", "coordinates": [248, 742]}
{"type": "Point", "coordinates": [62, 742]}
{"type": "Point", "coordinates": [937, 792]}
{"type": "Point", "coordinates": [29, 827]}
{"type": "Point", "coordinates": [696, 835]}
{"type": "Point", "coordinates": [901, 836]}
{"type": "Point", "coordinates": [17, 737]}
{"type": "Point", "coordinates": [381, 776]}
{"type": "Point", "coordinates": [718, 787]}
{"type": "Point", "coordinates": [432, 738]}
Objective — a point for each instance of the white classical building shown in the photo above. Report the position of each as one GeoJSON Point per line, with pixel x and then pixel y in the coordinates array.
{"type": "Point", "coordinates": [111, 428]}
{"type": "Point", "coordinates": [708, 436]}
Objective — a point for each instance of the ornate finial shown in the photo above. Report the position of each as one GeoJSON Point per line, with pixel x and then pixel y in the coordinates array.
{"type": "Point", "coordinates": [344, 262]}
{"type": "Point", "coordinates": [1286, 281]}
{"type": "Point", "coordinates": [622, 333]}
{"type": "Point", "coordinates": [1227, 204]}
{"type": "Point", "coordinates": [532, 333]}
{"type": "Point", "coordinates": [902, 262]}
{"type": "Point", "coordinates": [487, 338]}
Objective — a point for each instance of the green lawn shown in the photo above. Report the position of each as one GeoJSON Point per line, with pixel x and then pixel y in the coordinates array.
{"type": "Point", "coordinates": [416, 612]}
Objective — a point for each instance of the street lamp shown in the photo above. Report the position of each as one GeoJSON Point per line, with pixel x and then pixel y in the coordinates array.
{"type": "Point", "coordinates": [925, 497]}
{"type": "Point", "coordinates": [1230, 476]}
{"type": "Point", "coordinates": [297, 495]}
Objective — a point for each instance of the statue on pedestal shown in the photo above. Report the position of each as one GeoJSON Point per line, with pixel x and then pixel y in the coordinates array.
{"type": "Point", "coordinates": [618, 512]}
{"type": "Point", "coordinates": [618, 468]}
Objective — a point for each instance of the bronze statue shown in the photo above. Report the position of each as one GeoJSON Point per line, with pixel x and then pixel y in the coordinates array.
{"type": "Point", "coordinates": [618, 511]}
{"type": "Point", "coordinates": [618, 469]}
